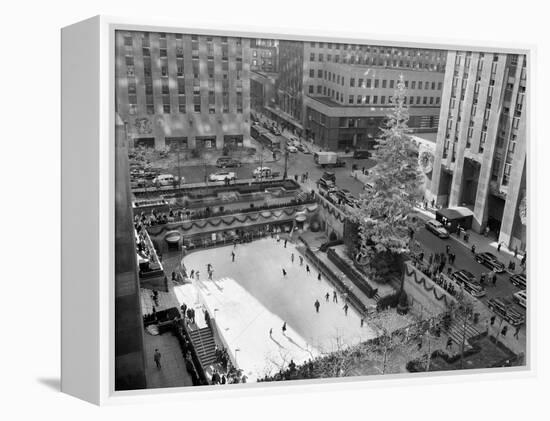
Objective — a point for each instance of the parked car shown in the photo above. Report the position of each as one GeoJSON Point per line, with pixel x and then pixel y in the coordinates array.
{"type": "Point", "coordinates": [138, 183]}
{"type": "Point", "coordinates": [468, 281]}
{"type": "Point", "coordinates": [521, 298]}
{"type": "Point", "coordinates": [519, 280]}
{"type": "Point", "coordinates": [361, 154]}
{"type": "Point", "coordinates": [437, 228]}
{"type": "Point", "coordinates": [489, 260]}
{"type": "Point", "coordinates": [504, 308]}
{"type": "Point", "coordinates": [222, 176]}
{"type": "Point", "coordinates": [292, 149]}
{"type": "Point", "coordinates": [226, 162]}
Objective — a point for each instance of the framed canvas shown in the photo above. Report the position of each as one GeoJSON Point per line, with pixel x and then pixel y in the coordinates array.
{"type": "Point", "coordinates": [244, 211]}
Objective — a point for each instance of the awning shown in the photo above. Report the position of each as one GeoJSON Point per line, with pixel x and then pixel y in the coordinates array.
{"type": "Point", "coordinates": [301, 217]}
{"type": "Point", "coordinates": [455, 213]}
{"type": "Point", "coordinates": [173, 237]}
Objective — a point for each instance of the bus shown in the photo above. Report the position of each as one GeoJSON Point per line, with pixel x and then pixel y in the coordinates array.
{"type": "Point", "coordinates": [270, 141]}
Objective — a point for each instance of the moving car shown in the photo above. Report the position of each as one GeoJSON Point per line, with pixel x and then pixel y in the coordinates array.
{"type": "Point", "coordinates": [226, 162]}
{"type": "Point", "coordinates": [262, 172]}
{"type": "Point", "coordinates": [519, 280]}
{"type": "Point", "coordinates": [292, 149]}
{"type": "Point", "coordinates": [489, 260]}
{"type": "Point", "coordinates": [468, 281]}
{"type": "Point", "coordinates": [505, 309]}
{"type": "Point", "coordinates": [521, 298]}
{"type": "Point", "coordinates": [437, 228]}
{"type": "Point", "coordinates": [222, 176]}
{"type": "Point", "coordinates": [166, 180]}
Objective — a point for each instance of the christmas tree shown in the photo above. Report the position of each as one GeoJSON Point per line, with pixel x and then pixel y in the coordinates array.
{"type": "Point", "coordinates": [385, 216]}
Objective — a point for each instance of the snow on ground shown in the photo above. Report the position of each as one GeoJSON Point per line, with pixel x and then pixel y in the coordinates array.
{"type": "Point", "coordinates": [252, 296]}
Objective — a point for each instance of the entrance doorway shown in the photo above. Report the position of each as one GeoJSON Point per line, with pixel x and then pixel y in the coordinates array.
{"type": "Point", "coordinates": [145, 142]}
{"type": "Point", "coordinates": [470, 178]}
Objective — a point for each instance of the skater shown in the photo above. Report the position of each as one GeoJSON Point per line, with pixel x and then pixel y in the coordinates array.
{"type": "Point", "coordinates": [346, 307]}
{"type": "Point", "coordinates": [284, 272]}
{"type": "Point", "coordinates": [327, 296]}
{"type": "Point", "coordinates": [301, 260]}
{"type": "Point", "coordinates": [362, 321]}
{"type": "Point", "coordinates": [499, 246]}
{"type": "Point", "coordinates": [192, 274]}
{"type": "Point", "coordinates": [334, 297]}
{"type": "Point", "coordinates": [516, 251]}
{"type": "Point", "coordinates": [284, 328]}
{"type": "Point", "coordinates": [493, 318]}
{"type": "Point", "coordinates": [473, 249]}
{"type": "Point", "coordinates": [198, 275]}
{"type": "Point", "coordinates": [307, 269]}
{"type": "Point", "coordinates": [271, 332]}
{"type": "Point", "coordinates": [210, 275]}
{"type": "Point", "coordinates": [285, 242]}
{"type": "Point", "coordinates": [319, 276]}
{"type": "Point", "coordinates": [292, 257]}
{"type": "Point", "coordinates": [317, 305]}
{"type": "Point", "coordinates": [208, 267]}
{"type": "Point", "coordinates": [232, 256]}
{"type": "Point", "coordinates": [157, 358]}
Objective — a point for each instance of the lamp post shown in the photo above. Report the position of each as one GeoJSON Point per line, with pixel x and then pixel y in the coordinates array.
{"type": "Point", "coordinates": [286, 165]}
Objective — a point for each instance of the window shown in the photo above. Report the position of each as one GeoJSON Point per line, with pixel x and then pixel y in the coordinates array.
{"type": "Point", "coordinates": [417, 100]}
{"type": "Point", "coordinates": [311, 89]}
{"type": "Point", "coordinates": [437, 101]}
{"type": "Point", "coordinates": [320, 57]}
{"type": "Point", "coordinates": [375, 99]}
{"type": "Point", "coordinates": [319, 73]}
{"type": "Point", "coordinates": [352, 82]}
{"type": "Point", "coordinates": [413, 84]}
{"type": "Point", "coordinates": [391, 84]}
{"type": "Point", "coordinates": [359, 99]}
{"type": "Point", "coordinates": [439, 86]}
{"type": "Point", "coordinates": [360, 83]}
{"type": "Point", "coordinates": [383, 100]}
{"type": "Point", "coordinates": [367, 99]}
{"type": "Point", "coordinates": [384, 83]}
{"type": "Point", "coordinates": [425, 101]}
{"type": "Point", "coordinates": [197, 102]}
{"type": "Point", "coordinates": [319, 89]}
{"type": "Point", "coordinates": [239, 102]}
{"type": "Point", "coordinates": [312, 57]}
{"type": "Point", "coordinates": [420, 85]}
{"type": "Point", "coordinates": [128, 40]}
{"type": "Point", "coordinates": [368, 83]}
{"type": "Point", "coordinates": [311, 73]}
{"type": "Point", "coordinates": [376, 81]}
{"type": "Point", "coordinates": [166, 108]}
{"type": "Point", "coordinates": [351, 99]}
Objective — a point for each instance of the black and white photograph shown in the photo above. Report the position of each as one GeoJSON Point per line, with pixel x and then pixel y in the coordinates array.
{"type": "Point", "coordinates": [303, 209]}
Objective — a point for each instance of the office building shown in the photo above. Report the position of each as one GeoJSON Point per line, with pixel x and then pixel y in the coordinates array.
{"type": "Point", "coordinates": [183, 89]}
{"type": "Point", "coordinates": [342, 93]}
{"type": "Point", "coordinates": [480, 158]}
{"type": "Point", "coordinates": [264, 55]}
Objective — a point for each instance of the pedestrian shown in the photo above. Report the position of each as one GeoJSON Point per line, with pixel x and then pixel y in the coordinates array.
{"type": "Point", "coordinates": [317, 305]}
{"type": "Point", "coordinates": [278, 238]}
{"type": "Point", "coordinates": [494, 279]}
{"type": "Point", "coordinates": [292, 257]}
{"type": "Point", "coordinates": [493, 318]}
{"type": "Point", "coordinates": [192, 275]}
{"type": "Point", "coordinates": [448, 249]}
{"type": "Point", "coordinates": [301, 260]}
{"type": "Point", "coordinates": [346, 307]}
{"type": "Point", "coordinates": [319, 276]}
{"type": "Point", "coordinates": [284, 272]}
{"type": "Point", "coordinates": [285, 242]}
{"type": "Point", "coordinates": [284, 328]}
{"type": "Point", "coordinates": [334, 297]}
{"type": "Point", "coordinates": [498, 247]}
{"type": "Point", "coordinates": [473, 249]}
{"type": "Point", "coordinates": [232, 256]}
{"type": "Point", "coordinates": [157, 358]}
{"type": "Point", "coordinates": [516, 251]}
{"type": "Point", "coordinates": [198, 275]}
{"type": "Point", "coordinates": [433, 203]}
{"type": "Point", "coordinates": [516, 333]}
{"type": "Point", "coordinates": [362, 320]}
{"type": "Point", "coordinates": [271, 332]}
{"type": "Point", "coordinates": [307, 269]}
{"type": "Point", "coordinates": [210, 275]}
{"type": "Point", "coordinates": [504, 330]}
{"type": "Point", "coordinates": [449, 343]}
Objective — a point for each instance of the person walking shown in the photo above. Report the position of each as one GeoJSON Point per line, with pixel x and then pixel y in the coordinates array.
{"type": "Point", "coordinates": [284, 272]}
{"type": "Point", "coordinates": [292, 257]}
{"type": "Point", "coordinates": [317, 305]}
{"type": "Point", "coordinates": [493, 318]}
{"type": "Point", "coordinates": [157, 358]}
{"type": "Point", "coordinates": [346, 307]}
{"type": "Point", "coordinates": [334, 297]}
{"type": "Point", "coordinates": [327, 296]}
{"type": "Point", "coordinates": [285, 242]}
{"type": "Point", "coordinates": [232, 256]}
{"type": "Point", "coordinates": [284, 328]}
{"type": "Point", "coordinates": [473, 249]}
{"type": "Point", "coordinates": [307, 269]}
{"type": "Point", "coordinates": [319, 276]}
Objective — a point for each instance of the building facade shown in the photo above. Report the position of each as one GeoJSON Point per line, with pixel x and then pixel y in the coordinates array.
{"type": "Point", "coordinates": [345, 90]}
{"type": "Point", "coordinates": [480, 159]}
{"type": "Point", "coordinates": [264, 55]}
{"type": "Point", "coordinates": [183, 89]}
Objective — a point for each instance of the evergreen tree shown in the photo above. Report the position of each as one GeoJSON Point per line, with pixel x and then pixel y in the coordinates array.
{"type": "Point", "coordinates": [385, 217]}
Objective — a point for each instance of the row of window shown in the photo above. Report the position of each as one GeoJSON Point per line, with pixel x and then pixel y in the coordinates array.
{"type": "Point", "coordinates": [376, 61]}
{"type": "Point", "coordinates": [429, 54]}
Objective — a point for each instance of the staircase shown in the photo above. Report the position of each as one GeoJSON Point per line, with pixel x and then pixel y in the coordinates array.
{"type": "Point", "coordinates": [204, 344]}
{"type": "Point", "coordinates": [456, 330]}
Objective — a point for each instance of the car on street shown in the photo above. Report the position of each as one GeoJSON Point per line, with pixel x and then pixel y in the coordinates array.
{"type": "Point", "coordinates": [520, 297]}
{"type": "Point", "coordinates": [275, 131]}
{"type": "Point", "coordinates": [166, 180]}
{"type": "Point", "coordinates": [519, 280]}
{"type": "Point", "coordinates": [489, 260]}
{"type": "Point", "coordinates": [468, 281]}
{"type": "Point", "coordinates": [262, 172]}
{"type": "Point", "coordinates": [437, 228]}
{"type": "Point", "coordinates": [292, 149]}
{"type": "Point", "coordinates": [505, 309]}
{"type": "Point", "coordinates": [138, 183]}
{"type": "Point", "coordinates": [222, 176]}
{"type": "Point", "coordinates": [226, 162]}
{"type": "Point", "coordinates": [361, 154]}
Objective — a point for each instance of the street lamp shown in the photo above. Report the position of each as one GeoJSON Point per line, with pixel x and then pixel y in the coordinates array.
{"type": "Point", "coordinates": [286, 164]}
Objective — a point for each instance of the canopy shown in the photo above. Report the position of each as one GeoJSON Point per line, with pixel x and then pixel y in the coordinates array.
{"type": "Point", "coordinates": [451, 218]}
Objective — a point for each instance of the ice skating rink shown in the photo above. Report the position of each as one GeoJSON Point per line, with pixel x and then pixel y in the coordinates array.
{"type": "Point", "coordinates": [250, 296]}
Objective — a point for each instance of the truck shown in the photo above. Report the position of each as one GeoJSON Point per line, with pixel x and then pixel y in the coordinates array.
{"type": "Point", "coordinates": [328, 159]}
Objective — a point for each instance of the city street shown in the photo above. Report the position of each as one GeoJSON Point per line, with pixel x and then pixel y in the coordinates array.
{"type": "Point", "coordinates": [464, 260]}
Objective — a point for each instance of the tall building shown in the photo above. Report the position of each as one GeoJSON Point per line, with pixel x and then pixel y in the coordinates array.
{"type": "Point", "coordinates": [480, 159]}
{"type": "Point", "coordinates": [264, 55]}
{"type": "Point", "coordinates": [340, 93]}
{"type": "Point", "coordinates": [186, 90]}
